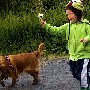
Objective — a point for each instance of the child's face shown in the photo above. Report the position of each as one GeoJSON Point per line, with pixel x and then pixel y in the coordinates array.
{"type": "Point", "coordinates": [71, 16]}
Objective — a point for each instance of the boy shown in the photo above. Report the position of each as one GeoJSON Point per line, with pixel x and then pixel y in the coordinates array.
{"type": "Point", "coordinates": [77, 32]}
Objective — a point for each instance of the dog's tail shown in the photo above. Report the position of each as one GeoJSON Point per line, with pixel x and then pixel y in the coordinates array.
{"type": "Point", "coordinates": [40, 50]}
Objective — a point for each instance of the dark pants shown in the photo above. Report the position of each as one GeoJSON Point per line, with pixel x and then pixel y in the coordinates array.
{"type": "Point", "coordinates": [77, 67]}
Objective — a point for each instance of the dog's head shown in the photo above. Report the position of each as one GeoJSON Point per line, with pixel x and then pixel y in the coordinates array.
{"type": "Point", "coordinates": [3, 66]}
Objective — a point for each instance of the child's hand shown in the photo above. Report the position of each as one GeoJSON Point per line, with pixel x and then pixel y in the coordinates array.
{"type": "Point", "coordinates": [41, 19]}
{"type": "Point", "coordinates": [83, 40]}
{"type": "Point", "coordinates": [42, 22]}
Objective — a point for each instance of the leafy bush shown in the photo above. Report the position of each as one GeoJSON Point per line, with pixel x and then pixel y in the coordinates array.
{"type": "Point", "coordinates": [20, 30]}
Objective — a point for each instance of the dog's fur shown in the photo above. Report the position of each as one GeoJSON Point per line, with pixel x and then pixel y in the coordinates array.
{"type": "Point", "coordinates": [24, 62]}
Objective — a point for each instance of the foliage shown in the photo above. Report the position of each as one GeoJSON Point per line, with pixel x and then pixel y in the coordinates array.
{"type": "Point", "coordinates": [20, 30]}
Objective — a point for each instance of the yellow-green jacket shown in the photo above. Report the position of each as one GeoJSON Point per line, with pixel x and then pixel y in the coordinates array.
{"type": "Point", "coordinates": [77, 31]}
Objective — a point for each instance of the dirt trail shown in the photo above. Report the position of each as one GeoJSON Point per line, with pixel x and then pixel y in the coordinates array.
{"type": "Point", "coordinates": [54, 76]}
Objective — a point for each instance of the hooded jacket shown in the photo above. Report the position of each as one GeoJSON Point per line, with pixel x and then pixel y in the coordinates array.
{"type": "Point", "coordinates": [76, 31]}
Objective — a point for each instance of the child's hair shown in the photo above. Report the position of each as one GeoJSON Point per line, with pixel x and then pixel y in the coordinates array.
{"type": "Point", "coordinates": [77, 12]}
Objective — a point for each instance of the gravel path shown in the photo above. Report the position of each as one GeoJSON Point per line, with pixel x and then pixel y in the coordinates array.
{"type": "Point", "coordinates": [55, 75]}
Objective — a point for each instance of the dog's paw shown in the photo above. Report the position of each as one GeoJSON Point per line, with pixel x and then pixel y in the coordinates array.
{"type": "Point", "coordinates": [35, 82]}
{"type": "Point", "coordinates": [2, 83]}
{"type": "Point", "coordinates": [7, 88]}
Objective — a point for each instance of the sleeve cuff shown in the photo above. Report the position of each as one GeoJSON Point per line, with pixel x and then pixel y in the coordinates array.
{"type": "Point", "coordinates": [87, 38]}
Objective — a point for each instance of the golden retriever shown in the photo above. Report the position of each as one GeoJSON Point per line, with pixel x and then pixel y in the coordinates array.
{"type": "Point", "coordinates": [14, 65]}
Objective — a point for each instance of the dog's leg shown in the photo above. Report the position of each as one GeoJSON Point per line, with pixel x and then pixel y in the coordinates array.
{"type": "Point", "coordinates": [2, 77]}
{"type": "Point", "coordinates": [2, 83]}
{"type": "Point", "coordinates": [14, 76]}
{"type": "Point", "coordinates": [14, 80]}
{"type": "Point", "coordinates": [35, 76]}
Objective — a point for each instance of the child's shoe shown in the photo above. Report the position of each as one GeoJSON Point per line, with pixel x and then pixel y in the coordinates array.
{"type": "Point", "coordinates": [82, 88]}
